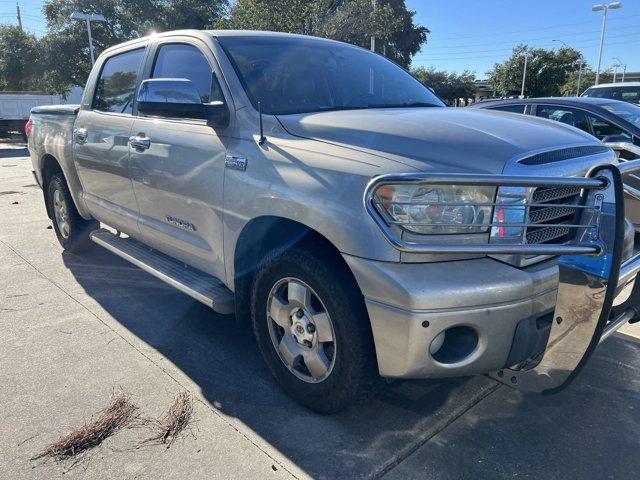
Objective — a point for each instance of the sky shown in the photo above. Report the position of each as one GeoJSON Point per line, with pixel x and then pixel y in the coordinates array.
{"type": "Point", "coordinates": [475, 34]}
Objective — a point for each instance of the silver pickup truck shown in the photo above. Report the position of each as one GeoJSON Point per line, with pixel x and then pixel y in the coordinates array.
{"type": "Point", "coordinates": [329, 200]}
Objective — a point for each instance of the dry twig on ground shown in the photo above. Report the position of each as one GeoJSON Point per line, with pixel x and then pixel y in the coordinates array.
{"type": "Point", "coordinates": [174, 422]}
{"type": "Point", "coordinates": [120, 414]}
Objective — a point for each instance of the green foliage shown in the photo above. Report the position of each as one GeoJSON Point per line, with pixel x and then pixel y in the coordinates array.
{"type": "Point", "coordinates": [61, 59]}
{"type": "Point", "coordinates": [69, 61]}
{"type": "Point", "coordinates": [352, 21]}
{"type": "Point", "coordinates": [18, 56]}
{"type": "Point", "coordinates": [448, 86]}
{"type": "Point", "coordinates": [547, 71]}
{"type": "Point", "coordinates": [588, 79]}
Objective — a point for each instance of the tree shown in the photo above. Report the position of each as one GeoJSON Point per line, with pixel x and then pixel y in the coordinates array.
{"type": "Point", "coordinates": [67, 59]}
{"type": "Point", "coordinates": [18, 58]}
{"type": "Point", "coordinates": [450, 87]}
{"type": "Point", "coordinates": [570, 86]}
{"type": "Point", "coordinates": [352, 21]}
{"type": "Point", "coordinates": [547, 71]}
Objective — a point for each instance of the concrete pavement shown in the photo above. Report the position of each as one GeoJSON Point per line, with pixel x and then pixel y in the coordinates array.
{"type": "Point", "coordinates": [74, 328]}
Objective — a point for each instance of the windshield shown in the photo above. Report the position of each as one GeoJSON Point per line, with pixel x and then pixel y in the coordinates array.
{"type": "Point", "coordinates": [624, 93]}
{"type": "Point", "coordinates": [296, 75]}
{"type": "Point", "coordinates": [626, 111]}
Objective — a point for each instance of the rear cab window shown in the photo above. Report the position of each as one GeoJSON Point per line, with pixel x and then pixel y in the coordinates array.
{"type": "Point", "coordinates": [629, 94]}
{"type": "Point", "coordinates": [116, 85]}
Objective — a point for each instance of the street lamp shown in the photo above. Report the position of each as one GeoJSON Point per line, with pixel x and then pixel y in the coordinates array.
{"type": "Point", "coordinates": [582, 64]}
{"type": "Point", "coordinates": [89, 17]}
{"type": "Point", "coordinates": [603, 7]}
{"type": "Point", "coordinates": [624, 68]}
{"type": "Point", "coordinates": [524, 73]}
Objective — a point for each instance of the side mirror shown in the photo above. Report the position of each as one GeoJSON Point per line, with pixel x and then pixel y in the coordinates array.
{"type": "Point", "coordinates": [178, 98]}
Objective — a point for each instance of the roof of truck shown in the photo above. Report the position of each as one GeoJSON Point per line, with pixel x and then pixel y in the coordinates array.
{"type": "Point", "coordinates": [218, 33]}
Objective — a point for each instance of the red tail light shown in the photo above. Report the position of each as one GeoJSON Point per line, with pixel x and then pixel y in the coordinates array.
{"type": "Point", "coordinates": [27, 128]}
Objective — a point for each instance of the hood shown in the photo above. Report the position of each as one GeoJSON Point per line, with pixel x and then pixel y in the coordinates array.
{"type": "Point", "coordinates": [443, 139]}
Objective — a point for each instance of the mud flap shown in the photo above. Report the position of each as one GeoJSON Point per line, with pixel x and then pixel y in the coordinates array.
{"type": "Point", "coordinates": [586, 292]}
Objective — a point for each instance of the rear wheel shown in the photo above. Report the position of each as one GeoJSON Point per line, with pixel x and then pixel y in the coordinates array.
{"type": "Point", "coordinates": [71, 229]}
{"type": "Point", "coordinates": [313, 330]}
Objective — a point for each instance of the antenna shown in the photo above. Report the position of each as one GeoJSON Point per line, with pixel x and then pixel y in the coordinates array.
{"type": "Point", "coordinates": [262, 138]}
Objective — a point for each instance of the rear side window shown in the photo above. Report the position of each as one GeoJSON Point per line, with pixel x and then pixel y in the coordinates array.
{"type": "Point", "coordinates": [178, 60]}
{"type": "Point", "coordinates": [117, 83]}
{"type": "Point", "coordinates": [510, 108]}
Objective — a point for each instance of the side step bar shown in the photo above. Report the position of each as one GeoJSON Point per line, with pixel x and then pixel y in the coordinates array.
{"type": "Point", "coordinates": [197, 284]}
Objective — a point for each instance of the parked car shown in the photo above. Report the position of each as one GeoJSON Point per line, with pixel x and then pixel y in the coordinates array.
{"type": "Point", "coordinates": [625, 91]}
{"type": "Point", "coordinates": [16, 106]}
{"type": "Point", "coordinates": [603, 118]}
{"type": "Point", "coordinates": [616, 123]}
{"type": "Point", "coordinates": [355, 225]}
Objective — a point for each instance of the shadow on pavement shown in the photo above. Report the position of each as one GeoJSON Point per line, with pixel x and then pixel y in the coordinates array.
{"type": "Point", "coordinates": [220, 356]}
{"type": "Point", "coordinates": [588, 431]}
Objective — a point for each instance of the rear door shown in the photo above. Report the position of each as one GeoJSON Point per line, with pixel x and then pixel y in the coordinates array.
{"type": "Point", "coordinates": [101, 140]}
{"type": "Point", "coordinates": [178, 179]}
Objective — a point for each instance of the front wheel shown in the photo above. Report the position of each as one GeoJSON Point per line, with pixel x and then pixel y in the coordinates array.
{"type": "Point", "coordinates": [313, 330]}
{"type": "Point", "coordinates": [71, 229]}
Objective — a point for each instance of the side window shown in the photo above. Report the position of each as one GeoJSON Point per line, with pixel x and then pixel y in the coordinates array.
{"type": "Point", "coordinates": [603, 128]}
{"type": "Point", "coordinates": [570, 116]}
{"type": "Point", "coordinates": [117, 82]}
{"type": "Point", "coordinates": [510, 108]}
{"type": "Point", "coordinates": [178, 60]}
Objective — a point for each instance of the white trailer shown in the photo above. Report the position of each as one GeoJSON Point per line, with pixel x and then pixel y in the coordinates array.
{"type": "Point", "coordinates": [15, 108]}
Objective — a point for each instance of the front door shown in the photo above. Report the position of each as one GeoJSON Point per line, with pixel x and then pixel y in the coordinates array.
{"type": "Point", "coordinates": [101, 142]}
{"type": "Point", "coordinates": [178, 179]}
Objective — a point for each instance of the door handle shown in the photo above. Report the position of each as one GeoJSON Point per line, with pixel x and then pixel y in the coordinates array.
{"type": "Point", "coordinates": [80, 135]}
{"type": "Point", "coordinates": [139, 142]}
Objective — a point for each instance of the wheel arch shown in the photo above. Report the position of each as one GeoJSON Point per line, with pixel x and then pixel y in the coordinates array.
{"type": "Point", "coordinates": [262, 235]}
{"type": "Point", "coordinates": [49, 166]}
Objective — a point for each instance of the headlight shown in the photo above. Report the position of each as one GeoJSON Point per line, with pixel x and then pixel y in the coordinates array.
{"type": "Point", "coordinates": [436, 209]}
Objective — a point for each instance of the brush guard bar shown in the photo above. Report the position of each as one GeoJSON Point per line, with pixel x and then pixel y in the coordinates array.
{"type": "Point", "coordinates": [591, 271]}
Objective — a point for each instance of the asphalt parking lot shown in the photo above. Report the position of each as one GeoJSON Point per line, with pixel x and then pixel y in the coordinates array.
{"type": "Point", "coordinates": [75, 328]}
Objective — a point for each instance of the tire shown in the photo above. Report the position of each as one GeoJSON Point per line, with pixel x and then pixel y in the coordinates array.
{"type": "Point", "coordinates": [347, 370]}
{"type": "Point", "coordinates": [71, 229]}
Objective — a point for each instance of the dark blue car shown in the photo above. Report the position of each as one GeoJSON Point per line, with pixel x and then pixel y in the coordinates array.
{"type": "Point", "coordinates": [605, 119]}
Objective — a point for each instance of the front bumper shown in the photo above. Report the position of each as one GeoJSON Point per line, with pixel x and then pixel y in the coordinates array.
{"type": "Point", "coordinates": [484, 307]}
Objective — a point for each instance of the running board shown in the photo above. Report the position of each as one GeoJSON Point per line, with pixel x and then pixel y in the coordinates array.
{"type": "Point", "coordinates": [197, 284]}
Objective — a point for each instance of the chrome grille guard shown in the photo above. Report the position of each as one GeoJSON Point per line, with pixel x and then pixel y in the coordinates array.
{"type": "Point", "coordinates": [590, 269]}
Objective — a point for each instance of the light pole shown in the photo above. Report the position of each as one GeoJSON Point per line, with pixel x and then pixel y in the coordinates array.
{"type": "Point", "coordinates": [373, 39]}
{"type": "Point", "coordinates": [623, 65]}
{"type": "Point", "coordinates": [89, 17]}
{"type": "Point", "coordinates": [605, 7]}
{"type": "Point", "coordinates": [524, 73]}
{"type": "Point", "coordinates": [582, 63]}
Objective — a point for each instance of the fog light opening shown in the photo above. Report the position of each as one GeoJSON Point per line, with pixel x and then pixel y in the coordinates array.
{"type": "Point", "coordinates": [454, 344]}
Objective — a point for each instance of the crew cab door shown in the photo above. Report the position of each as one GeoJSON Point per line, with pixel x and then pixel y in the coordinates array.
{"type": "Point", "coordinates": [178, 171]}
{"type": "Point", "coordinates": [101, 140]}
